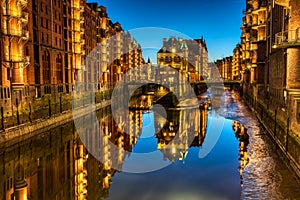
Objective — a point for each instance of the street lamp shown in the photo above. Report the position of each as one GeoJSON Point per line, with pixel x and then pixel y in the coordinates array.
{"type": "Point", "coordinates": [284, 95]}
{"type": "Point", "coordinates": [249, 66]}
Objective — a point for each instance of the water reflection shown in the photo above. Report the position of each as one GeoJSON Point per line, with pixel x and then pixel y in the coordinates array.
{"type": "Point", "coordinates": [56, 164]}
{"type": "Point", "coordinates": [188, 125]}
{"type": "Point", "coordinates": [243, 137]}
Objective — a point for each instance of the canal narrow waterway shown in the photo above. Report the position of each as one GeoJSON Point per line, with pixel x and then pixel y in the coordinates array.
{"type": "Point", "coordinates": [168, 155]}
{"type": "Point", "coordinates": [266, 176]}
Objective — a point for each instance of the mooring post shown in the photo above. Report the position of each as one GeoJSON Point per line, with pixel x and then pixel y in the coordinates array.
{"type": "Point", "coordinates": [29, 115]}
{"type": "Point", "coordinates": [18, 117]}
{"type": "Point", "coordinates": [49, 105]}
{"type": "Point", "coordinates": [60, 103]}
{"type": "Point", "coordinates": [2, 118]}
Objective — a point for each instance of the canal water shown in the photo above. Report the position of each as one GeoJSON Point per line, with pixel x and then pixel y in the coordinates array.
{"type": "Point", "coordinates": [187, 154]}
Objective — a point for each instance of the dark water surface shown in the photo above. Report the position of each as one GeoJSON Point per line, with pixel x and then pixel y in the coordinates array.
{"type": "Point", "coordinates": [176, 152]}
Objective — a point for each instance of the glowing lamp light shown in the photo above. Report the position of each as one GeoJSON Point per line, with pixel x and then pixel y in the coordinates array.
{"type": "Point", "coordinates": [173, 150]}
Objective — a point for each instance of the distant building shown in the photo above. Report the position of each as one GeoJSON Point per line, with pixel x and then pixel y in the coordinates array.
{"type": "Point", "coordinates": [225, 67]}
{"type": "Point", "coordinates": [237, 68]}
{"type": "Point", "coordinates": [189, 57]}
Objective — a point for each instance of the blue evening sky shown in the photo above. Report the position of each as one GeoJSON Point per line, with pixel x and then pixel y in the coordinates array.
{"type": "Point", "coordinates": [218, 21]}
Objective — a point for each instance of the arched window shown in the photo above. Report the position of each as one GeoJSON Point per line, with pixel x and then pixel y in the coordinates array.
{"type": "Point", "coordinates": [46, 67]}
{"type": "Point", "coordinates": [177, 59]}
{"type": "Point", "coordinates": [168, 59]}
{"type": "Point", "coordinates": [59, 74]}
{"type": "Point", "coordinates": [162, 59]}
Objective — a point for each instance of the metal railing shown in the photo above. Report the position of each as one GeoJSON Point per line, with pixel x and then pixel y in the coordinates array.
{"type": "Point", "coordinates": [288, 37]}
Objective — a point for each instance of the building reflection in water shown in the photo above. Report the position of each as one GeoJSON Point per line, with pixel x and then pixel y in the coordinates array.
{"type": "Point", "coordinates": [56, 164]}
{"type": "Point", "coordinates": [181, 130]}
{"type": "Point", "coordinates": [243, 137]}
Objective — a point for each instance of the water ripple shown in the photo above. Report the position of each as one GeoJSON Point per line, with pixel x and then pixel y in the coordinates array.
{"type": "Point", "coordinates": [266, 176]}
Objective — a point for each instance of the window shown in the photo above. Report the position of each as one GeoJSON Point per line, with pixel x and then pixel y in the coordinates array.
{"type": "Point", "coordinates": [59, 70]}
{"type": "Point", "coordinates": [8, 74]}
{"type": "Point", "coordinates": [46, 67]}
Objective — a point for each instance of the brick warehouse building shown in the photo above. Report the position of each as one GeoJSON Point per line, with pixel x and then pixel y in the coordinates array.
{"type": "Point", "coordinates": [270, 43]}
{"type": "Point", "coordinates": [271, 54]}
{"type": "Point", "coordinates": [225, 67]}
{"type": "Point", "coordinates": [44, 46]}
{"type": "Point", "coordinates": [190, 57]}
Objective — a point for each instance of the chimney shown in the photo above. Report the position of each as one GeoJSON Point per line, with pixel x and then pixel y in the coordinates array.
{"type": "Point", "coordinates": [164, 40]}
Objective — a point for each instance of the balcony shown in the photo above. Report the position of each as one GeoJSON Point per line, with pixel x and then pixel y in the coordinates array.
{"type": "Point", "coordinates": [81, 20]}
{"type": "Point", "coordinates": [262, 22]}
{"type": "Point", "coordinates": [82, 8]}
{"type": "Point", "coordinates": [13, 58]}
{"type": "Point", "coordinates": [258, 24]}
{"type": "Point", "coordinates": [23, 2]}
{"type": "Point", "coordinates": [26, 59]}
{"type": "Point", "coordinates": [286, 39]}
{"type": "Point", "coordinates": [259, 9]}
{"type": "Point", "coordinates": [24, 17]}
{"type": "Point", "coordinates": [253, 39]}
{"type": "Point", "coordinates": [254, 23]}
{"type": "Point", "coordinates": [11, 13]}
{"type": "Point", "coordinates": [14, 32]}
{"type": "Point", "coordinates": [25, 34]}
{"type": "Point", "coordinates": [284, 3]}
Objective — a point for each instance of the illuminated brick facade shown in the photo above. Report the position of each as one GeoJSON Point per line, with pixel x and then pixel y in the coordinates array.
{"type": "Point", "coordinates": [189, 57]}
{"type": "Point", "coordinates": [44, 45]}
{"type": "Point", "coordinates": [270, 43]}
{"type": "Point", "coordinates": [225, 67]}
{"type": "Point", "coordinates": [237, 68]}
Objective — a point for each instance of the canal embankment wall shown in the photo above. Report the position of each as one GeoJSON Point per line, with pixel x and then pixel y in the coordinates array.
{"type": "Point", "coordinates": [281, 133]}
{"type": "Point", "coordinates": [24, 131]}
